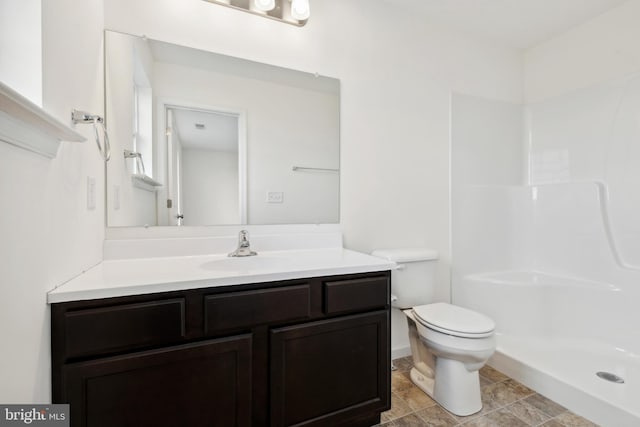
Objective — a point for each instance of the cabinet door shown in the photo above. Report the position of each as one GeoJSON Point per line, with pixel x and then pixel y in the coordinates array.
{"type": "Point", "coordinates": [201, 384]}
{"type": "Point", "coordinates": [325, 372]}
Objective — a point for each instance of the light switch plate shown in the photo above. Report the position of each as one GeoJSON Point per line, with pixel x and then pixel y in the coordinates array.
{"type": "Point", "coordinates": [91, 193]}
{"type": "Point", "coordinates": [116, 197]}
{"type": "Point", "coordinates": [275, 197]}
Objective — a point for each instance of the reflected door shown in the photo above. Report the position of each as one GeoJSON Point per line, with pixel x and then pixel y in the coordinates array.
{"type": "Point", "coordinates": [205, 166]}
{"type": "Point", "coordinates": [174, 159]}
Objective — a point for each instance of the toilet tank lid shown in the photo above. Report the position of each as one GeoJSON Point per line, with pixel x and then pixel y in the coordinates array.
{"type": "Point", "coordinates": [406, 254]}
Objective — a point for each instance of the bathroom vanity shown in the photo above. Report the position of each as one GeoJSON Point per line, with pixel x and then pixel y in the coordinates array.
{"type": "Point", "coordinates": [272, 346]}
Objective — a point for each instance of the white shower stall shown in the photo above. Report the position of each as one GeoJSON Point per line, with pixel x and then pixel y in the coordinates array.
{"type": "Point", "coordinates": [546, 241]}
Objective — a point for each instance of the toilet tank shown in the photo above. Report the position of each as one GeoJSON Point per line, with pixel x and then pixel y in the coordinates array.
{"type": "Point", "coordinates": [413, 283]}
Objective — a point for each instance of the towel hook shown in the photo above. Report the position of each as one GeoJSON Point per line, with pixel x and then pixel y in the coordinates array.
{"type": "Point", "coordinates": [83, 117]}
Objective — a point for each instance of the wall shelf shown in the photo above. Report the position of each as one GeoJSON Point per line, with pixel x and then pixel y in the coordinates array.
{"type": "Point", "coordinates": [145, 182]}
{"type": "Point", "coordinates": [26, 125]}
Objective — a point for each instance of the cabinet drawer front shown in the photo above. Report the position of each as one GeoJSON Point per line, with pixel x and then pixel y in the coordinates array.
{"type": "Point", "coordinates": [250, 308]}
{"type": "Point", "coordinates": [356, 295]}
{"type": "Point", "coordinates": [122, 327]}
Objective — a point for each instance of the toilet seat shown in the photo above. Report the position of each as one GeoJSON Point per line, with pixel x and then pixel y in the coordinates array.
{"type": "Point", "coordinates": [453, 320]}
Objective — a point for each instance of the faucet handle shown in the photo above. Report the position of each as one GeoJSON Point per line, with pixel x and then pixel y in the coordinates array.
{"type": "Point", "coordinates": [244, 247]}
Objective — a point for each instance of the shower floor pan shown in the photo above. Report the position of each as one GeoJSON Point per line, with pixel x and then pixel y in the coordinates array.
{"type": "Point", "coordinates": [565, 370]}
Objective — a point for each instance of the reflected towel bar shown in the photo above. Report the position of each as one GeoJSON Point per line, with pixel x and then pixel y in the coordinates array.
{"type": "Point", "coordinates": [128, 154]}
{"type": "Point", "coordinates": [82, 117]}
{"type": "Point", "coordinates": [299, 168]}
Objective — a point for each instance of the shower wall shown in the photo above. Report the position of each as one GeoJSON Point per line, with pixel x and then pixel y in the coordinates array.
{"type": "Point", "coordinates": [582, 89]}
{"type": "Point", "coordinates": [593, 135]}
{"type": "Point", "coordinates": [555, 260]}
{"type": "Point", "coordinates": [572, 216]}
{"type": "Point", "coordinates": [486, 166]}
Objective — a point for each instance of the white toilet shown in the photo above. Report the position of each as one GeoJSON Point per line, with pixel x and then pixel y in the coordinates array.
{"type": "Point", "coordinates": [449, 344]}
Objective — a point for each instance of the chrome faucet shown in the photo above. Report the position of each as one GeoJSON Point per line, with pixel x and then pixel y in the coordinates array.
{"type": "Point", "coordinates": [244, 247]}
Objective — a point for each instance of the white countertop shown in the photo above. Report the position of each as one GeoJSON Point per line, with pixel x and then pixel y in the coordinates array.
{"type": "Point", "coordinates": [122, 277]}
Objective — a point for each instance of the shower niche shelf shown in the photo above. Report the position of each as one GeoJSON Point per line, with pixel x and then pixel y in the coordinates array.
{"type": "Point", "coordinates": [26, 125]}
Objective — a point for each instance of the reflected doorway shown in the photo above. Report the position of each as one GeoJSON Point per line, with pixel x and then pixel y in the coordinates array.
{"type": "Point", "coordinates": [206, 166]}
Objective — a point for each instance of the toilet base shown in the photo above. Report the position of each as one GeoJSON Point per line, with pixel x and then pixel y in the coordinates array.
{"type": "Point", "coordinates": [454, 388]}
{"type": "Point", "coordinates": [446, 367]}
{"type": "Point", "coordinates": [423, 382]}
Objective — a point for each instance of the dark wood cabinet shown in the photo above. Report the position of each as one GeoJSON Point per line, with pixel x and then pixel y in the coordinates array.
{"type": "Point", "coordinates": [322, 370]}
{"type": "Point", "coordinates": [95, 331]}
{"type": "Point", "coordinates": [311, 352]}
{"type": "Point", "coordinates": [173, 386]}
{"type": "Point", "coordinates": [253, 308]}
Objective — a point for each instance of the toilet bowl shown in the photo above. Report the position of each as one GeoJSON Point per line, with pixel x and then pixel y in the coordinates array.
{"type": "Point", "coordinates": [449, 344]}
{"type": "Point", "coordinates": [447, 356]}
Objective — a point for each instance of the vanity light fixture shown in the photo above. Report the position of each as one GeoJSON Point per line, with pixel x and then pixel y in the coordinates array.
{"type": "Point", "coordinates": [294, 12]}
{"type": "Point", "coordinates": [300, 9]}
{"type": "Point", "coordinates": [265, 5]}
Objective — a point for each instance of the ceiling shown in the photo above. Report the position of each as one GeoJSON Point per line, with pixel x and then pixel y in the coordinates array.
{"type": "Point", "coordinates": [220, 131]}
{"type": "Point", "coordinates": [515, 23]}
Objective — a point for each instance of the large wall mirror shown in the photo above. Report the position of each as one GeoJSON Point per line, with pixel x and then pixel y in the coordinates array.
{"type": "Point", "coordinates": [200, 138]}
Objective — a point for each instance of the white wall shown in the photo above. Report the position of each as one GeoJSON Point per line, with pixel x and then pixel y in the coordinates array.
{"type": "Point", "coordinates": [486, 142]}
{"type": "Point", "coordinates": [602, 49]}
{"type": "Point", "coordinates": [210, 187]}
{"type": "Point", "coordinates": [48, 235]}
{"type": "Point", "coordinates": [397, 72]}
{"type": "Point", "coordinates": [21, 47]}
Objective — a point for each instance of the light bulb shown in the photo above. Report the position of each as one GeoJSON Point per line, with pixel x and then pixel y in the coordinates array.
{"type": "Point", "coordinates": [300, 9]}
{"type": "Point", "coordinates": [264, 5]}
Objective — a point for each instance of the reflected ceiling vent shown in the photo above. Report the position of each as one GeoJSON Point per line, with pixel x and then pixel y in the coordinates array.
{"type": "Point", "coordinates": [294, 12]}
{"type": "Point", "coordinates": [200, 126]}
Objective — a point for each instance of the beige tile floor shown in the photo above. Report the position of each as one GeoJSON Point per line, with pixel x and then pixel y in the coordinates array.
{"type": "Point", "coordinates": [506, 403]}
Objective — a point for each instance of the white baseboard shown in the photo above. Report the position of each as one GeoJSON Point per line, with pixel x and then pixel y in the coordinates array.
{"type": "Point", "coordinates": [397, 353]}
